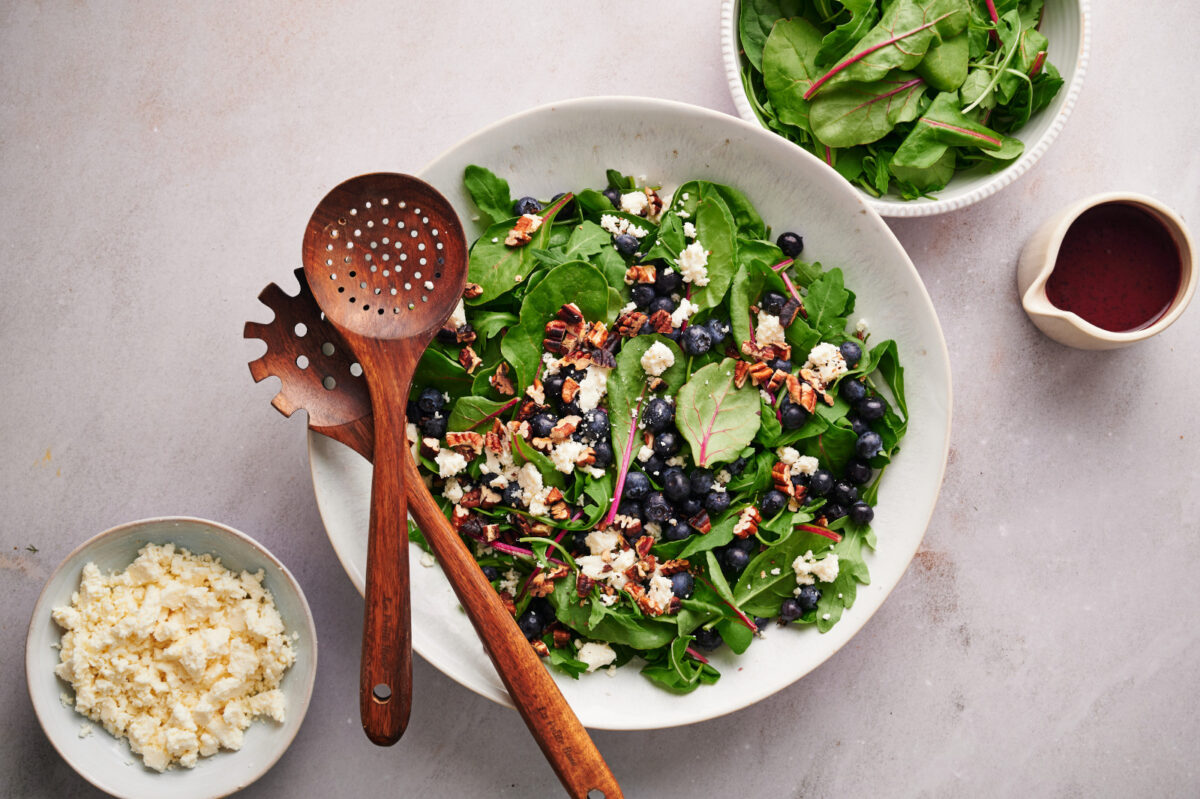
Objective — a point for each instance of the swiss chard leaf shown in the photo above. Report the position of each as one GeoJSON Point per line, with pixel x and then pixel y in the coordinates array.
{"type": "Point", "coordinates": [628, 380]}
{"type": "Point", "coordinates": [716, 418]}
{"type": "Point", "coordinates": [790, 69]}
{"type": "Point", "coordinates": [755, 20]}
{"type": "Point", "coordinates": [714, 230]}
{"type": "Point", "coordinates": [853, 113]}
{"type": "Point", "coordinates": [471, 412]}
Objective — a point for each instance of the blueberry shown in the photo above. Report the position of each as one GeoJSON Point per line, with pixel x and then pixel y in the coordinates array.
{"type": "Point", "coordinates": [857, 424]}
{"type": "Point", "coordinates": [567, 210]}
{"type": "Point", "coordinates": [791, 243]}
{"type": "Point", "coordinates": [677, 531]}
{"type": "Point", "coordinates": [511, 495]}
{"type": "Point", "coordinates": [708, 640]}
{"type": "Point", "coordinates": [861, 513]}
{"type": "Point", "coordinates": [434, 426]}
{"type": "Point", "coordinates": [701, 481]}
{"type": "Point", "coordinates": [761, 622]}
{"type": "Point", "coordinates": [531, 623]}
{"type": "Point", "coordinates": [747, 544]}
{"type": "Point", "coordinates": [656, 508]}
{"type": "Point", "coordinates": [792, 416]}
{"type": "Point", "coordinates": [579, 542]}
{"type": "Point", "coordinates": [869, 444]}
{"type": "Point", "coordinates": [675, 482]}
{"type": "Point", "coordinates": [772, 503]}
{"type": "Point", "coordinates": [541, 425]}
{"type": "Point", "coordinates": [625, 244]}
{"type": "Point", "coordinates": [808, 597]}
{"type": "Point", "coordinates": [631, 508]}
{"type": "Point", "coordinates": [667, 281]}
{"type": "Point", "coordinates": [718, 329]}
{"type": "Point", "coordinates": [682, 585]}
{"type": "Point", "coordinates": [595, 424]}
{"type": "Point", "coordinates": [666, 443]}
{"type": "Point", "coordinates": [491, 573]}
{"type": "Point", "coordinates": [832, 511]}
{"type": "Point", "coordinates": [820, 482]}
{"type": "Point", "coordinates": [637, 486]}
{"type": "Point", "coordinates": [654, 466]}
{"type": "Point", "coordinates": [614, 196]}
{"type": "Point", "coordinates": [790, 610]}
{"type": "Point", "coordinates": [870, 408]}
{"type": "Point", "coordinates": [571, 408]}
{"type": "Point", "coordinates": [674, 335]}
{"type": "Point", "coordinates": [603, 452]}
{"type": "Point", "coordinates": [851, 352]}
{"type": "Point", "coordinates": [646, 329]}
{"type": "Point", "coordinates": [696, 340]}
{"type": "Point", "coordinates": [642, 295]}
{"type": "Point", "coordinates": [737, 467]}
{"type": "Point", "coordinates": [526, 205]}
{"type": "Point", "coordinates": [844, 493]}
{"type": "Point", "coordinates": [852, 391]}
{"type": "Point", "coordinates": [690, 506]}
{"type": "Point", "coordinates": [716, 502]}
{"type": "Point", "coordinates": [430, 400]}
{"type": "Point", "coordinates": [553, 386]}
{"type": "Point", "coordinates": [858, 471]}
{"type": "Point", "coordinates": [661, 304]}
{"type": "Point", "coordinates": [780, 365]}
{"type": "Point", "coordinates": [772, 302]}
{"type": "Point", "coordinates": [736, 559]}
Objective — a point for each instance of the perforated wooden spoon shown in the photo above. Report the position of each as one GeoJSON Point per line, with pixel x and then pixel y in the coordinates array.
{"type": "Point", "coordinates": [386, 260]}
{"type": "Point", "coordinates": [318, 374]}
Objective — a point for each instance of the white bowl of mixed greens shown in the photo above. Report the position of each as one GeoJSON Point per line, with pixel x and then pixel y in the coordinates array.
{"type": "Point", "coordinates": [698, 390]}
{"type": "Point", "coordinates": [926, 106]}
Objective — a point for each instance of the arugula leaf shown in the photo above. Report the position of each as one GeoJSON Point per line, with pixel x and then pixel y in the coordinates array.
{"type": "Point", "coordinates": [716, 418]}
{"type": "Point", "coordinates": [490, 193]}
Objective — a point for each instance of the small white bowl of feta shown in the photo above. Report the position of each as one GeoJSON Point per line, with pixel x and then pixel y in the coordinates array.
{"type": "Point", "coordinates": [171, 656]}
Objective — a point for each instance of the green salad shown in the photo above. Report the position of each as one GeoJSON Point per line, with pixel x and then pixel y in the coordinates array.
{"type": "Point", "coordinates": [659, 430]}
{"type": "Point", "coordinates": [898, 95]}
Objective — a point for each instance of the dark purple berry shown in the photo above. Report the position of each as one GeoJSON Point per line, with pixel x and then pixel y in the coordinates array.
{"type": "Point", "coordinates": [625, 244]}
{"type": "Point", "coordinates": [861, 513]}
{"type": "Point", "coordinates": [526, 205]}
{"type": "Point", "coordinates": [791, 243]}
{"type": "Point", "coordinates": [642, 295]}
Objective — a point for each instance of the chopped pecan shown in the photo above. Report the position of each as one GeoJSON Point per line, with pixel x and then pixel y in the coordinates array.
{"type": "Point", "coordinates": [778, 377]}
{"type": "Point", "coordinates": [472, 498]}
{"type": "Point", "coordinates": [451, 336]}
{"type": "Point", "coordinates": [430, 447]}
{"type": "Point", "coordinates": [472, 290]}
{"type": "Point", "coordinates": [556, 339]}
{"type": "Point", "coordinates": [808, 397]}
{"type": "Point", "coordinates": [790, 310]}
{"type": "Point", "coordinates": [583, 585]}
{"type": "Point", "coordinates": [639, 273]}
{"type": "Point", "coordinates": [529, 409]}
{"type": "Point", "coordinates": [465, 443]}
{"type": "Point", "coordinates": [506, 599]}
{"type": "Point", "coordinates": [794, 390]}
{"type": "Point", "coordinates": [655, 383]}
{"type": "Point", "coordinates": [515, 428]}
{"type": "Point", "coordinates": [642, 547]}
{"type": "Point", "coordinates": [660, 322]}
{"type": "Point", "coordinates": [488, 498]}
{"type": "Point", "coordinates": [700, 522]}
{"type": "Point", "coordinates": [570, 314]}
{"type": "Point", "coordinates": [654, 205]}
{"type": "Point", "coordinates": [629, 324]}
{"type": "Point", "coordinates": [602, 357]}
{"type": "Point", "coordinates": [747, 523]}
{"type": "Point", "coordinates": [781, 476]}
{"type": "Point", "coordinates": [459, 516]}
{"type": "Point", "coordinates": [565, 427]}
{"type": "Point", "coordinates": [760, 373]}
{"type": "Point", "coordinates": [741, 370]}
{"type": "Point", "coordinates": [501, 380]}
{"type": "Point", "coordinates": [520, 235]}
{"type": "Point", "coordinates": [491, 532]}
{"type": "Point", "coordinates": [579, 358]}
{"type": "Point", "coordinates": [495, 442]}
{"type": "Point", "coordinates": [540, 647]}
{"type": "Point", "coordinates": [542, 582]}
{"type": "Point", "coordinates": [530, 526]}
{"type": "Point", "coordinates": [596, 335]}
{"type": "Point", "coordinates": [542, 444]}
{"type": "Point", "coordinates": [673, 566]}
{"type": "Point", "coordinates": [628, 525]}
{"type": "Point", "coordinates": [674, 605]}
{"type": "Point", "coordinates": [570, 389]}
{"type": "Point", "coordinates": [562, 637]}
{"type": "Point", "coordinates": [536, 391]}
{"type": "Point", "coordinates": [469, 360]}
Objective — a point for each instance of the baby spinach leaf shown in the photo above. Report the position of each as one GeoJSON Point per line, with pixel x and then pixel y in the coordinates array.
{"type": "Point", "coordinates": [853, 113]}
{"type": "Point", "coordinates": [755, 20]}
{"type": "Point", "coordinates": [945, 63]}
{"type": "Point", "coordinates": [790, 69]}
{"type": "Point", "coordinates": [490, 193]}
{"type": "Point", "coordinates": [439, 370]}
{"type": "Point", "coordinates": [736, 635]}
{"type": "Point", "coordinates": [720, 535]}
{"type": "Point", "coordinates": [930, 178]}
{"type": "Point", "coordinates": [678, 672]}
{"type": "Point", "coordinates": [627, 381]}
{"type": "Point", "coordinates": [587, 239]}
{"type": "Point", "coordinates": [827, 303]}
{"type": "Point", "coordinates": [714, 230]}
{"type": "Point", "coordinates": [716, 418]}
{"type": "Point", "coordinates": [489, 323]}
{"type": "Point", "coordinates": [615, 625]}
{"type": "Point", "coordinates": [943, 125]}
{"type": "Point", "coordinates": [670, 241]}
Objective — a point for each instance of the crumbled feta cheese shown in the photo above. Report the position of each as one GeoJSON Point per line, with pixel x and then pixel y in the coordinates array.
{"type": "Point", "coordinates": [552, 364]}
{"type": "Point", "coordinates": [529, 479]}
{"type": "Point", "coordinates": [807, 567]}
{"type": "Point", "coordinates": [775, 572]}
{"type": "Point", "coordinates": [826, 361]}
{"type": "Point", "coordinates": [449, 463]}
{"type": "Point", "coordinates": [427, 560]}
{"type": "Point", "coordinates": [596, 655]}
{"type": "Point", "coordinates": [453, 491]}
{"type": "Point", "coordinates": [769, 331]}
{"type": "Point", "coordinates": [644, 454]}
{"type": "Point", "coordinates": [635, 202]}
{"type": "Point", "coordinates": [628, 307]}
{"type": "Point", "coordinates": [509, 582]}
{"type": "Point", "coordinates": [458, 317]}
{"type": "Point", "coordinates": [805, 464]}
{"type": "Point", "coordinates": [683, 312]}
{"type": "Point", "coordinates": [537, 503]}
{"type": "Point", "coordinates": [593, 388]}
{"type": "Point", "coordinates": [689, 230]}
{"type": "Point", "coordinates": [676, 460]}
{"type": "Point", "coordinates": [657, 359]}
{"type": "Point", "coordinates": [617, 225]}
{"type": "Point", "coordinates": [825, 616]}
{"type": "Point", "coordinates": [177, 654]}
{"type": "Point", "coordinates": [693, 263]}
{"type": "Point", "coordinates": [601, 541]}
{"type": "Point", "coordinates": [787, 455]}
{"type": "Point", "coordinates": [567, 454]}
{"type": "Point", "coordinates": [724, 476]}
{"type": "Point", "coordinates": [414, 440]}
{"type": "Point", "coordinates": [660, 592]}
{"type": "Point", "coordinates": [861, 327]}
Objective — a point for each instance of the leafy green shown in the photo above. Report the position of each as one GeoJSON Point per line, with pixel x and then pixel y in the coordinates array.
{"type": "Point", "coordinates": [859, 113]}
{"type": "Point", "coordinates": [716, 418]}
{"type": "Point", "coordinates": [490, 193]}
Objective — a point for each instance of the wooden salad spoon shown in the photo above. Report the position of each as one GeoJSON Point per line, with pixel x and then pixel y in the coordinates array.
{"type": "Point", "coordinates": [318, 374]}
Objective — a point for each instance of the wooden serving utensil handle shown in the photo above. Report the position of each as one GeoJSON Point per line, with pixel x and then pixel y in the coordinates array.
{"type": "Point", "coordinates": [385, 677]}
{"type": "Point", "coordinates": [562, 738]}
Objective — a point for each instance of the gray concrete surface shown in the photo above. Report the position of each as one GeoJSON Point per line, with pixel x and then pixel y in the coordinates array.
{"type": "Point", "coordinates": [157, 163]}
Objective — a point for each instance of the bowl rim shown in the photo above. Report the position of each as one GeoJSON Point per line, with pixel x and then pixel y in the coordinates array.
{"type": "Point", "coordinates": [941, 354]}
{"type": "Point", "coordinates": [39, 611]}
{"type": "Point", "coordinates": [921, 207]}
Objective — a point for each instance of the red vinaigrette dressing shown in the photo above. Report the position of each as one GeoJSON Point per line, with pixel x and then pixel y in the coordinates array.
{"type": "Point", "coordinates": [1118, 267]}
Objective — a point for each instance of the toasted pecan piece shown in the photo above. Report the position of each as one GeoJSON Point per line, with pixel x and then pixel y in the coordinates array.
{"type": "Point", "coordinates": [542, 582]}
{"type": "Point", "coordinates": [583, 585]}
{"type": "Point", "coordinates": [596, 335]}
{"type": "Point", "coordinates": [540, 647]}
{"type": "Point", "coordinates": [673, 566]}
{"type": "Point", "coordinates": [629, 324]}
{"type": "Point", "coordinates": [522, 231]}
{"type": "Point", "coordinates": [506, 599]}
{"type": "Point", "coordinates": [760, 373]}
{"type": "Point", "coordinates": [465, 443]}
{"type": "Point", "coordinates": [565, 427]}
{"type": "Point", "coordinates": [808, 397]}
{"type": "Point", "coordinates": [741, 370]}
{"type": "Point", "coordinates": [536, 391]}
{"type": "Point", "coordinates": [747, 523]}
{"type": "Point", "coordinates": [570, 389]}
{"type": "Point", "coordinates": [790, 310]}
{"type": "Point", "coordinates": [469, 360]}
{"type": "Point", "coordinates": [643, 545]}
{"type": "Point", "coordinates": [501, 380]}
{"type": "Point", "coordinates": [472, 290]}
{"type": "Point", "coordinates": [562, 637]}
{"type": "Point", "coordinates": [660, 322]}
{"type": "Point", "coordinates": [458, 516]}
{"type": "Point", "coordinates": [781, 476]}
{"type": "Point", "coordinates": [489, 499]}
{"type": "Point", "coordinates": [529, 409]}
{"type": "Point", "coordinates": [794, 390]}
{"type": "Point", "coordinates": [639, 273]}
{"type": "Point", "coordinates": [700, 522]}
{"type": "Point", "coordinates": [778, 378]}
{"type": "Point", "coordinates": [472, 498]}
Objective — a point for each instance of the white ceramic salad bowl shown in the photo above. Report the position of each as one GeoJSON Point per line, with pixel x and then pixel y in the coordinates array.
{"type": "Point", "coordinates": [1065, 24]}
{"type": "Point", "coordinates": [567, 146]}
